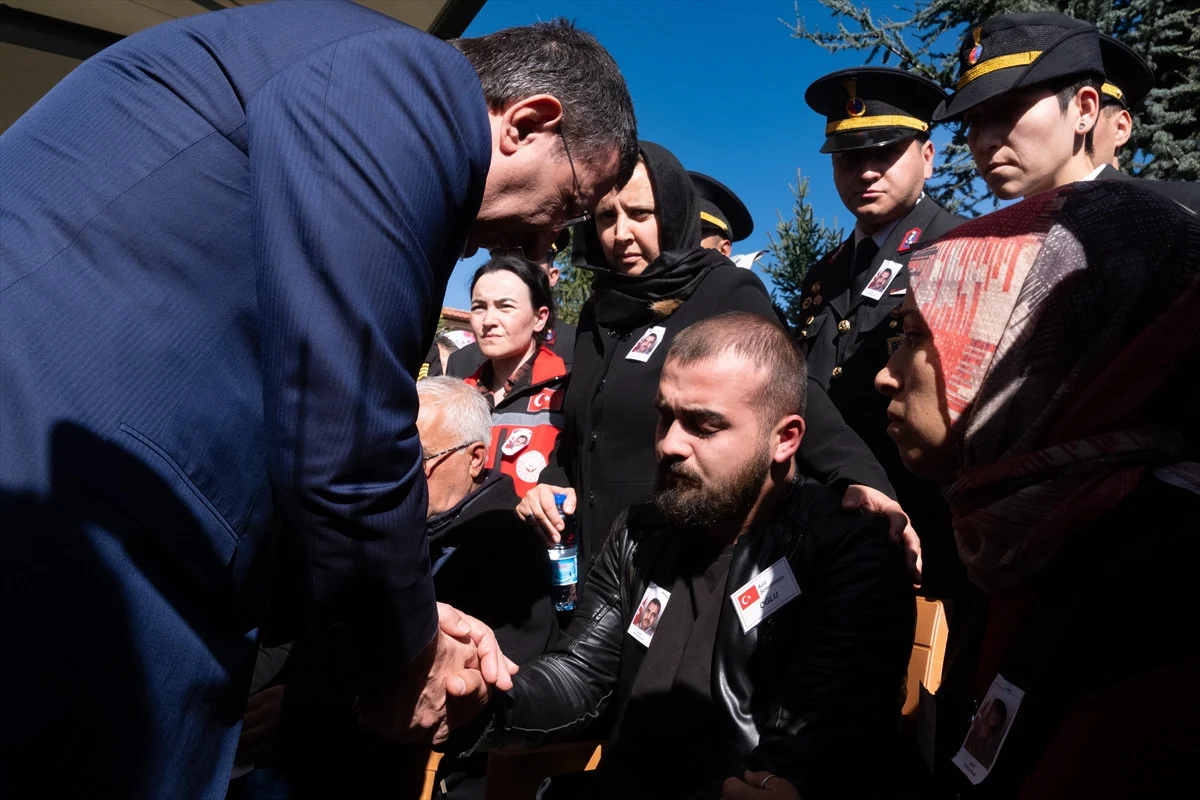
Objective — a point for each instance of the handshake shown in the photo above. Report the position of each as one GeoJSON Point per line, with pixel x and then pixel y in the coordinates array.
{"type": "Point", "coordinates": [447, 685]}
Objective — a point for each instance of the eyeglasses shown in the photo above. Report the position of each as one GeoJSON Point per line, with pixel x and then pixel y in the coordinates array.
{"type": "Point", "coordinates": [586, 215]}
{"type": "Point", "coordinates": [446, 452]}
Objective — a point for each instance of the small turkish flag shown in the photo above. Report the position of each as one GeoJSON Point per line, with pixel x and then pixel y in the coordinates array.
{"type": "Point", "coordinates": [542, 400]}
{"type": "Point", "coordinates": [747, 598]}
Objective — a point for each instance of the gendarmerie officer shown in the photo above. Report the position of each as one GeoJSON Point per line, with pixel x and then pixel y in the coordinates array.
{"type": "Point", "coordinates": [724, 218]}
{"type": "Point", "coordinates": [1128, 79]}
{"type": "Point", "coordinates": [1029, 90]}
{"type": "Point", "coordinates": [877, 131]}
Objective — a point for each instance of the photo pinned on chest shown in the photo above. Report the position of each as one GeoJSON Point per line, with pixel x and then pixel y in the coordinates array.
{"type": "Point", "coordinates": [766, 593]}
{"type": "Point", "coordinates": [882, 279]}
{"type": "Point", "coordinates": [988, 730]}
{"type": "Point", "coordinates": [649, 613]}
{"type": "Point", "coordinates": [517, 441]}
{"type": "Point", "coordinates": [645, 346]}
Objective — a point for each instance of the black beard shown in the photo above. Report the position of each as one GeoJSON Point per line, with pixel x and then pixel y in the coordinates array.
{"type": "Point", "coordinates": [684, 501]}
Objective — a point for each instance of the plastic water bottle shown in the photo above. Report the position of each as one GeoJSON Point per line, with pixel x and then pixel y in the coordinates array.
{"type": "Point", "coordinates": [564, 559]}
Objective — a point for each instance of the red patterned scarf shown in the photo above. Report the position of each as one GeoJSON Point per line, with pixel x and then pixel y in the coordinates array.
{"type": "Point", "coordinates": [1068, 326]}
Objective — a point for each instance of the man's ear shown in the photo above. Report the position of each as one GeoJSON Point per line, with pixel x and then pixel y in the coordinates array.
{"type": "Point", "coordinates": [786, 438]}
{"type": "Point", "coordinates": [1122, 128]}
{"type": "Point", "coordinates": [528, 118]}
{"type": "Point", "coordinates": [1088, 102]}
{"type": "Point", "coordinates": [478, 452]}
{"type": "Point", "coordinates": [726, 247]}
{"type": "Point", "coordinates": [553, 273]}
{"type": "Point", "coordinates": [927, 153]}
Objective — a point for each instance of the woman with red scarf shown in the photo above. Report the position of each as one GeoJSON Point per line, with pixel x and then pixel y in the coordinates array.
{"type": "Point", "coordinates": [1048, 378]}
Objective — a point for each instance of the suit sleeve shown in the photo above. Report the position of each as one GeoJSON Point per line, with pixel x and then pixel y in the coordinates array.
{"type": "Point", "coordinates": [367, 164]}
{"type": "Point", "coordinates": [832, 452]}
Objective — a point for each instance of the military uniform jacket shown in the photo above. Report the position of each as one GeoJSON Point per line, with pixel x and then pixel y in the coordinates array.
{"type": "Point", "coordinates": [845, 333]}
{"type": "Point", "coordinates": [848, 338]}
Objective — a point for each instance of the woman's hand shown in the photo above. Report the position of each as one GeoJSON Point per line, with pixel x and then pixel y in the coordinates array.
{"type": "Point", "coordinates": [758, 786]}
{"type": "Point", "coordinates": [539, 510]}
{"type": "Point", "coordinates": [900, 530]}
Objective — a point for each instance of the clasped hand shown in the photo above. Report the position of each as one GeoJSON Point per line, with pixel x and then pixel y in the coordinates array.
{"type": "Point", "coordinates": [446, 686]}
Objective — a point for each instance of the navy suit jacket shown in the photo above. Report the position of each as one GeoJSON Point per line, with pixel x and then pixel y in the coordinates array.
{"type": "Point", "coordinates": [222, 243]}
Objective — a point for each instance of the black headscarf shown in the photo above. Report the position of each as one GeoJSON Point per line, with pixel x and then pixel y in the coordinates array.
{"type": "Point", "coordinates": [624, 302]}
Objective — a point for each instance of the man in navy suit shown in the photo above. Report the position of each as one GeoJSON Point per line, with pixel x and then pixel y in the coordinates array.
{"type": "Point", "coordinates": [224, 241]}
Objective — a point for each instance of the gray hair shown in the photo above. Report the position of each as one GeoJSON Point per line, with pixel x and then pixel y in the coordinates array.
{"type": "Point", "coordinates": [465, 412]}
{"type": "Point", "coordinates": [557, 59]}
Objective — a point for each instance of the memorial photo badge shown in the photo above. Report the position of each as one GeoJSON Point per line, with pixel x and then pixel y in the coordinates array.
{"type": "Point", "coordinates": [649, 613]}
{"type": "Point", "coordinates": [517, 441]}
{"type": "Point", "coordinates": [988, 730]}
{"type": "Point", "coordinates": [882, 278]}
{"type": "Point", "coordinates": [645, 346]}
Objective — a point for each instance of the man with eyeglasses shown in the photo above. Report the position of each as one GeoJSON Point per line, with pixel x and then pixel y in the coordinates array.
{"type": "Point", "coordinates": [224, 243]}
{"type": "Point", "coordinates": [485, 562]}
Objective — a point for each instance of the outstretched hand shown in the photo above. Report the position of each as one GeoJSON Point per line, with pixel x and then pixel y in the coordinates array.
{"type": "Point", "coordinates": [447, 685]}
{"type": "Point", "coordinates": [900, 530]}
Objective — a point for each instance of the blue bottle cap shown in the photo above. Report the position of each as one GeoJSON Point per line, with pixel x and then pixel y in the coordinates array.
{"type": "Point", "coordinates": [559, 499]}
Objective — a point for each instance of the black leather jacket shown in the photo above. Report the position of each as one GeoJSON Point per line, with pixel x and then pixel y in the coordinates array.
{"type": "Point", "coordinates": [812, 693]}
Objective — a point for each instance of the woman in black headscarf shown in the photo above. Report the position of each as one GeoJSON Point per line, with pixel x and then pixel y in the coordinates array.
{"type": "Point", "coordinates": [652, 280]}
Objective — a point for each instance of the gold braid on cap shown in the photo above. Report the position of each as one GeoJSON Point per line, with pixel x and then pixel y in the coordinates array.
{"type": "Point", "coordinates": [711, 220]}
{"type": "Point", "coordinates": [999, 62]}
{"type": "Point", "coordinates": [880, 121]}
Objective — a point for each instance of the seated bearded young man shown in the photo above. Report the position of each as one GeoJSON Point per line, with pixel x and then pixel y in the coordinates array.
{"type": "Point", "coordinates": [785, 623]}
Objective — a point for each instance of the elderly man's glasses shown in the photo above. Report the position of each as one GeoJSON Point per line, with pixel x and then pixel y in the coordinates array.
{"type": "Point", "coordinates": [446, 452]}
{"type": "Point", "coordinates": [586, 215]}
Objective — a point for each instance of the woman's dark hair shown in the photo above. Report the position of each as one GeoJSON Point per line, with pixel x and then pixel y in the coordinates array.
{"type": "Point", "coordinates": [530, 274]}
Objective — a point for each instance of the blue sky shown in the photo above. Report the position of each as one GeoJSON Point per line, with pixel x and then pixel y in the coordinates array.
{"type": "Point", "coordinates": [720, 83]}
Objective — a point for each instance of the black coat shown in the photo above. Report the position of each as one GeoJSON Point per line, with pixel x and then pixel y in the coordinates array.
{"type": "Point", "coordinates": [1186, 193]}
{"type": "Point", "coordinates": [857, 353]}
{"type": "Point", "coordinates": [810, 694]}
{"type": "Point", "coordinates": [1101, 630]}
{"type": "Point", "coordinates": [491, 565]}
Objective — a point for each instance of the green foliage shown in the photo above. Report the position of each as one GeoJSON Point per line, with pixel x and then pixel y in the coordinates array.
{"type": "Point", "coordinates": [801, 242]}
{"type": "Point", "coordinates": [573, 289]}
{"type": "Point", "coordinates": [1166, 134]}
